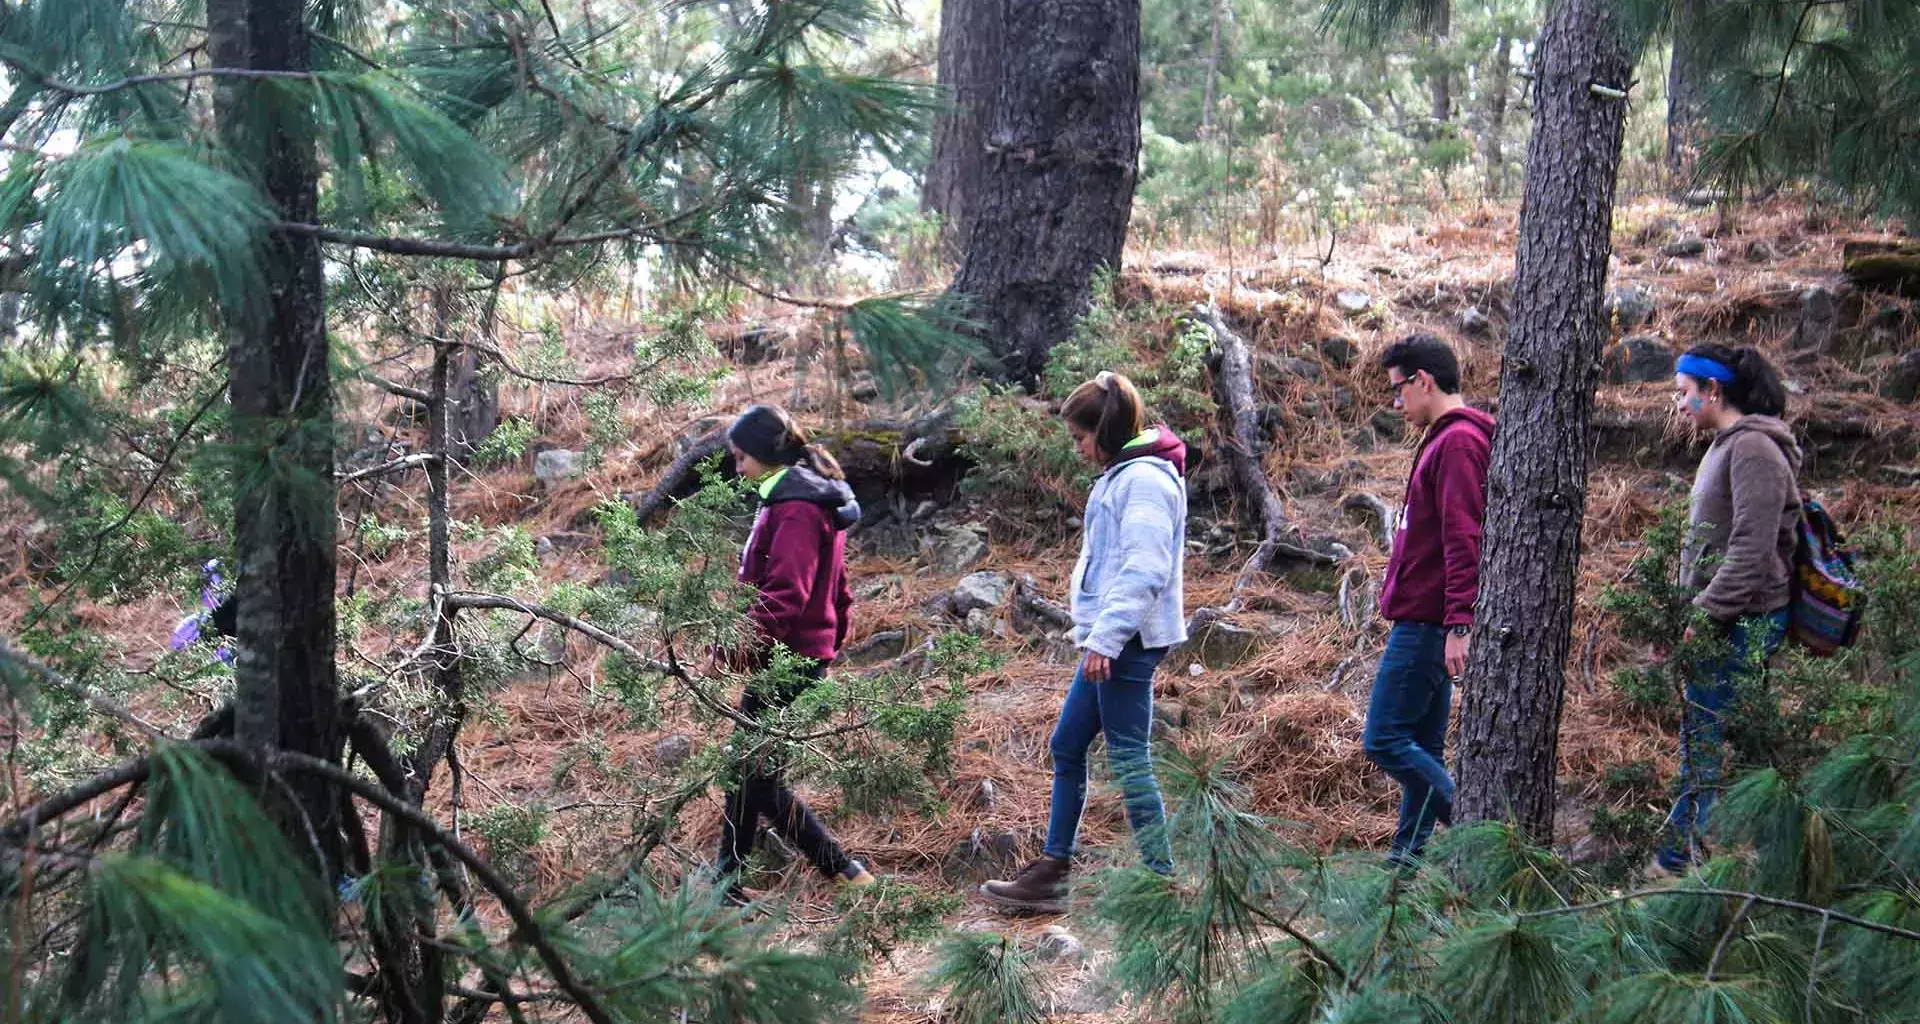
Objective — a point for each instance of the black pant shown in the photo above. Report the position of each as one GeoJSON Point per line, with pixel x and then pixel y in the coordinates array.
{"type": "Point", "coordinates": [763, 793]}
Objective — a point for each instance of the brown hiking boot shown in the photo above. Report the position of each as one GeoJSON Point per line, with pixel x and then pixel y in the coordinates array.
{"type": "Point", "coordinates": [1039, 888]}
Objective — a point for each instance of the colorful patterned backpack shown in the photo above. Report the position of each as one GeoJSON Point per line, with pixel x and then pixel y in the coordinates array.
{"type": "Point", "coordinates": [1828, 600]}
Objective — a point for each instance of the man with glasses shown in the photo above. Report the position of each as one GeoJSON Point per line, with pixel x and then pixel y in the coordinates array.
{"type": "Point", "coordinates": [1433, 578]}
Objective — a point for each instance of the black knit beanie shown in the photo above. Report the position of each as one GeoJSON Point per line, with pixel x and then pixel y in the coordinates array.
{"type": "Point", "coordinates": [759, 433]}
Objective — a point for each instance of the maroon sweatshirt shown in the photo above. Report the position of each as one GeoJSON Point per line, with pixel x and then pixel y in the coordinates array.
{"type": "Point", "coordinates": [796, 557]}
{"type": "Point", "coordinates": [1434, 574]}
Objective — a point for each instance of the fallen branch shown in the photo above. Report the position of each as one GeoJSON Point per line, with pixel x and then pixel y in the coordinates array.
{"type": "Point", "coordinates": [1027, 598]}
{"type": "Point", "coordinates": [403, 462]}
{"type": "Point", "coordinates": [1244, 448]}
{"type": "Point", "coordinates": [677, 476]}
{"type": "Point", "coordinates": [1365, 501]}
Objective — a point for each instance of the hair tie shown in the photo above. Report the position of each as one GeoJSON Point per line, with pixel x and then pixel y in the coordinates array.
{"type": "Point", "coordinates": [1705, 368]}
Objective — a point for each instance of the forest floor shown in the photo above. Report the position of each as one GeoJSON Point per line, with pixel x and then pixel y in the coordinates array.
{"type": "Point", "coordinates": [1292, 710]}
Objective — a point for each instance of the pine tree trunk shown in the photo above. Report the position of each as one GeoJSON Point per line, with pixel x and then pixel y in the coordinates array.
{"type": "Point", "coordinates": [1440, 86]}
{"type": "Point", "coordinates": [1537, 482]}
{"type": "Point", "coordinates": [282, 401]}
{"type": "Point", "coordinates": [1213, 71]}
{"type": "Point", "coordinates": [1499, 82]}
{"type": "Point", "coordinates": [1056, 187]}
{"type": "Point", "coordinates": [1686, 88]}
{"type": "Point", "coordinates": [970, 67]}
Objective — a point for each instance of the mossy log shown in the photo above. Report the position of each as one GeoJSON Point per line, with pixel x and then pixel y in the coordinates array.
{"type": "Point", "coordinates": [1883, 266]}
{"type": "Point", "coordinates": [909, 458]}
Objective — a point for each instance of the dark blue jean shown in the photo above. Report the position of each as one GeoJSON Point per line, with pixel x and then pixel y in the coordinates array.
{"type": "Point", "coordinates": [1406, 731]}
{"type": "Point", "coordinates": [1715, 684]}
{"type": "Point", "coordinates": [1122, 709]}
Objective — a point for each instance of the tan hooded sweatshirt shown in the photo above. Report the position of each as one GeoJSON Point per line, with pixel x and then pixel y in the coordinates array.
{"type": "Point", "coordinates": [1741, 529]}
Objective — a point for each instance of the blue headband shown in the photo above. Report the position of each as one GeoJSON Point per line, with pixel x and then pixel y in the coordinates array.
{"type": "Point", "coordinates": [1704, 368]}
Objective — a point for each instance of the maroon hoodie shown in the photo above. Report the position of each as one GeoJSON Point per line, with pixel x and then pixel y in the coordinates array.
{"type": "Point", "coordinates": [796, 557]}
{"type": "Point", "coordinates": [1434, 574]}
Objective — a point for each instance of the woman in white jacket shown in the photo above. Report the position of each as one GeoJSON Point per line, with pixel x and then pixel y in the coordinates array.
{"type": "Point", "coordinates": [1126, 613]}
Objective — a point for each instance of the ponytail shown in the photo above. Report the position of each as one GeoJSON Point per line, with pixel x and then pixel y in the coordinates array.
{"type": "Point", "coordinates": [1755, 389]}
{"type": "Point", "coordinates": [1109, 408]}
{"type": "Point", "coordinates": [769, 434]}
{"type": "Point", "coordinates": [823, 463]}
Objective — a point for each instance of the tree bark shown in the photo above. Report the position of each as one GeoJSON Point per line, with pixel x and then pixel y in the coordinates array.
{"type": "Point", "coordinates": [969, 67]}
{"type": "Point", "coordinates": [1537, 482]}
{"type": "Point", "coordinates": [1055, 189]}
{"type": "Point", "coordinates": [1499, 81]}
{"type": "Point", "coordinates": [282, 409]}
{"type": "Point", "coordinates": [1440, 84]}
{"type": "Point", "coordinates": [1213, 71]}
{"type": "Point", "coordinates": [1686, 88]}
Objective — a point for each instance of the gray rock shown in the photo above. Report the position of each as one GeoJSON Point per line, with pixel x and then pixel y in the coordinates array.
{"type": "Point", "coordinates": [1339, 352]}
{"type": "Point", "coordinates": [957, 548]}
{"type": "Point", "coordinates": [1343, 399]}
{"type": "Point", "coordinates": [1684, 248]}
{"type": "Point", "coordinates": [543, 547]}
{"type": "Point", "coordinates": [1640, 359]}
{"type": "Point", "coordinates": [673, 751]}
{"type": "Point", "coordinates": [1223, 644]}
{"type": "Point", "coordinates": [1758, 251]}
{"type": "Point", "coordinates": [983, 796]}
{"type": "Point", "coordinates": [1819, 318]}
{"type": "Point", "coordinates": [1902, 383]}
{"type": "Point", "coordinates": [987, 590]}
{"type": "Point", "coordinates": [1294, 367]}
{"type": "Point", "coordinates": [1630, 305]}
{"type": "Point", "coordinates": [1474, 322]}
{"type": "Point", "coordinates": [1353, 302]}
{"type": "Point", "coordinates": [558, 464]}
{"type": "Point", "coordinates": [891, 540]}
{"type": "Point", "coordinates": [875, 587]}
{"type": "Point", "coordinates": [1389, 424]}
{"type": "Point", "coordinates": [982, 855]}
{"type": "Point", "coordinates": [1658, 229]}
{"type": "Point", "coordinates": [1057, 944]}
{"type": "Point", "coordinates": [981, 622]}
{"type": "Point", "coordinates": [1169, 714]}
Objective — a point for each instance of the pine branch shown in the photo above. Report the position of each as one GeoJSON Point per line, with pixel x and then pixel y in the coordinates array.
{"type": "Point", "coordinates": [73, 89]}
{"type": "Point", "coordinates": [526, 927]}
{"type": "Point", "coordinates": [93, 695]}
{"type": "Point", "coordinates": [400, 246]}
{"type": "Point", "coordinates": [1726, 937]}
{"type": "Point", "coordinates": [671, 668]}
{"type": "Point", "coordinates": [1729, 894]}
{"type": "Point", "coordinates": [96, 545]}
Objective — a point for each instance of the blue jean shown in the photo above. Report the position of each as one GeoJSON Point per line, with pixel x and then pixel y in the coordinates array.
{"type": "Point", "coordinates": [1406, 731]}
{"type": "Point", "coordinates": [1712, 686]}
{"type": "Point", "coordinates": [1122, 709]}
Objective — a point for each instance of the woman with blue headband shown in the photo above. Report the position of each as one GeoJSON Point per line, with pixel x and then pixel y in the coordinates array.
{"type": "Point", "coordinates": [1738, 559]}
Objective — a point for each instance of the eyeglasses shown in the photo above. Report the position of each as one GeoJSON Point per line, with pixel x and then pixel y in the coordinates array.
{"type": "Point", "coordinates": [1398, 385]}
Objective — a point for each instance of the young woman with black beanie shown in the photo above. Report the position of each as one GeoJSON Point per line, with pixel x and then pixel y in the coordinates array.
{"type": "Point", "coordinates": [795, 560]}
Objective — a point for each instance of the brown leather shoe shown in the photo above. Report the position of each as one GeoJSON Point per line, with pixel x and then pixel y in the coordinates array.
{"type": "Point", "coordinates": [1039, 888]}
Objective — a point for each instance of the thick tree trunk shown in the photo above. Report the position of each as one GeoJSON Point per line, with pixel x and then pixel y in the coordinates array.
{"type": "Point", "coordinates": [1499, 81]}
{"type": "Point", "coordinates": [1440, 84]}
{"type": "Point", "coordinates": [1537, 483]}
{"type": "Point", "coordinates": [282, 401]}
{"type": "Point", "coordinates": [1054, 195]}
{"type": "Point", "coordinates": [970, 67]}
{"type": "Point", "coordinates": [1213, 71]}
{"type": "Point", "coordinates": [1686, 88]}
